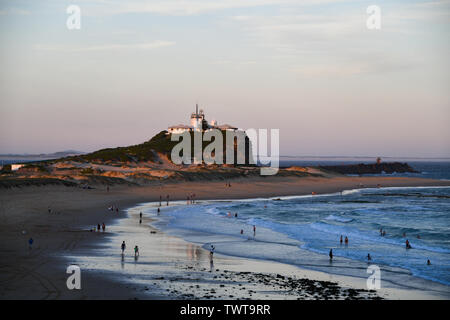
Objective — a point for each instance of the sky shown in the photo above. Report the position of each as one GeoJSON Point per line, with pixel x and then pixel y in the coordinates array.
{"type": "Point", "coordinates": [311, 69]}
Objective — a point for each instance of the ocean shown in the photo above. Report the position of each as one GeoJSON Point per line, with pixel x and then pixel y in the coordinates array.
{"type": "Point", "coordinates": [301, 230]}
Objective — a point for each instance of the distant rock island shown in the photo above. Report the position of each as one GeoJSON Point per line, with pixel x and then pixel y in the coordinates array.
{"type": "Point", "coordinates": [374, 168]}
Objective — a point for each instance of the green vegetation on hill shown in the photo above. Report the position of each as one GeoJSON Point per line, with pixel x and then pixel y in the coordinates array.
{"type": "Point", "coordinates": [141, 152]}
{"type": "Point", "coordinates": [147, 151]}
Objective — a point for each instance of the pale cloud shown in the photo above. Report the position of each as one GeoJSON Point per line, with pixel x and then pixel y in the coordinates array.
{"type": "Point", "coordinates": [14, 11]}
{"type": "Point", "coordinates": [106, 47]}
{"type": "Point", "coordinates": [175, 7]}
{"type": "Point", "coordinates": [190, 7]}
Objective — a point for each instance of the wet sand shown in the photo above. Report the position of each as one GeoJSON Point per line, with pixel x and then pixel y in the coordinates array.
{"type": "Point", "coordinates": [40, 273]}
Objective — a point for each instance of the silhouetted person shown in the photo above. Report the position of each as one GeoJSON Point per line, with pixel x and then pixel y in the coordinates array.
{"type": "Point", "coordinates": [331, 254]}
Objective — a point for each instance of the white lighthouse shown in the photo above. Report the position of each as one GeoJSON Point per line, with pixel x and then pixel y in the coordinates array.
{"type": "Point", "coordinates": [197, 119]}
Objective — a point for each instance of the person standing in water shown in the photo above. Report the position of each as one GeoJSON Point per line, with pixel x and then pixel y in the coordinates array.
{"type": "Point", "coordinates": [331, 254]}
{"type": "Point", "coordinates": [428, 262]}
{"type": "Point", "coordinates": [159, 211]}
{"type": "Point", "coordinates": [254, 231]}
{"type": "Point", "coordinates": [340, 241]}
{"type": "Point", "coordinates": [369, 258]}
{"type": "Point", "coordinates": [346, 240]}
{"type": "Point", "coordinates": [407, 244]}
{"type": "Point", "coordinates": [123, 246]}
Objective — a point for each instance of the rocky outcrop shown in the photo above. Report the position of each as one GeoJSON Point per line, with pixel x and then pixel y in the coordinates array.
{"type": "Point", "coordinates": [374, 168]}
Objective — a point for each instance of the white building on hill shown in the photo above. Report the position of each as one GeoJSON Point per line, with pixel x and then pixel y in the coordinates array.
{"type": "Point", "coordinates": [199, 123]}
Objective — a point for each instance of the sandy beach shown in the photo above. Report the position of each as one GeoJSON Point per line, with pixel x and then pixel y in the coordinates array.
{"type": "Point", "coordinates": [178, 269]}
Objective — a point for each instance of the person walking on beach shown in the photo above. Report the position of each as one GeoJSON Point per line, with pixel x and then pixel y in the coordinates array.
{"type": "Point", "coordinates": [211, 253]}
{"type": "Point", "coordinates": [331, 254]}
{"type": "Point", "coordinates": [167, 200]}
{"type": "Point", "coordinates": [140, 220]}
{"type": "Point", "coordinates": [103, 227]}
{"type": "Point", "coordinates": [30, 243]}
{"type": "Point", "coordinates": [123, 246]}
{"type": "Point", "coordinates": [160, 199]}
{"type": "Point", "coordinates": [136, 251]}
{"type": "Point", "coordinates": [140, 215]}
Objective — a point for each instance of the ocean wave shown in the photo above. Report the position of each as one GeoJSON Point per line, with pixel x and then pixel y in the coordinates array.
{"type": "Point", "coordinates": [332, 217]}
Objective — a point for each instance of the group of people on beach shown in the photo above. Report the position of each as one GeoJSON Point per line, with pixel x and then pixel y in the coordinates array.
{"type": "Point", "coordinates": [167, 200]}
{"type": "Point", "coordinates": [113, 208]}
{"type": "Point", "coordinates": [190, 199]}
{"type": "Point", "coordinates": [124, 246]}
{"type": "Point", "coordinates": [99, 227]}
